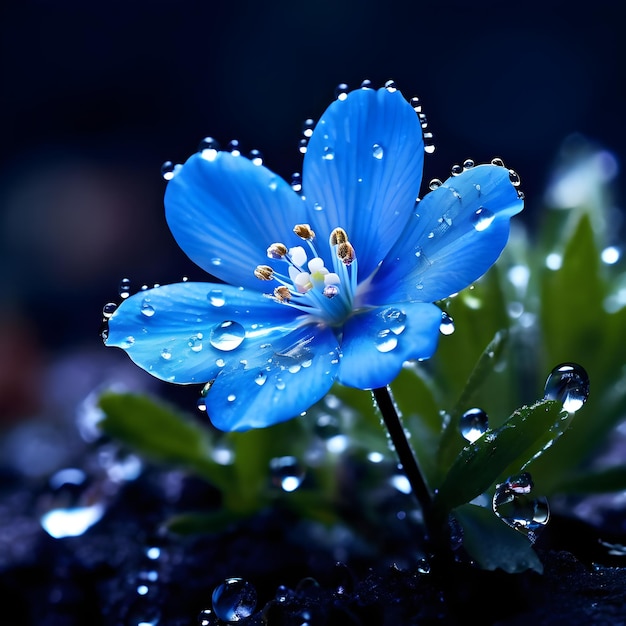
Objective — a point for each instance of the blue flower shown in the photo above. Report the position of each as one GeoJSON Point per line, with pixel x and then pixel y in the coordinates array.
{"type": "Point", "coordinates": [337, 284]}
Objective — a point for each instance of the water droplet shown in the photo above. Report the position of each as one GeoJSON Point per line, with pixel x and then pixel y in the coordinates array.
{"type": "Point", "coordinates": [610, 255]}
{"type": "Point", "coordinates": [318, 207]}
{"type": "Point", "coordinates": [296, 181]}
{"type": "Point", "coordinates": [303, 145]}
{"type": "Point", "coordinates": [307, 127]}
{"type": "Point", "coordinates": [416, 104]}
{"type": "Point", "coordinates": [215, 261]}
{"type": "Point", "coordinates": [385, 341]}
{"type": "Point", "coordinates": [169, 170]}
{"type": "Point", "coordinates": [395, 319]}
{"type": "Point", "coordinates": [498, 162]}
{"type": "Point", "coordinates": [468, 164]}
{"type": "Point", "coordinates": [435, 183]}
{"type": "Point", "coordinates": [473, 424]}
{"type": "Point", "coordinates": [482, 219]}
{"type": "Point", "coordinates": [286, 472]}
{"type": "Point", "coordinates": [377, 151]}
{"type": "Point", "coordinates": [227, 336]}
{"type": "Point", "coordinates": [166, 354]}
{"type": "Point", "coordinates": [233, 147]}
{"type": "Point", "coordinates": [456, 170]}
{"type": "Point", "coordinates": [390, 86]}
{"type": "Point", "coordinates": [108, 309]}
{"type": "Point", "coordinates": [429, 146]}
{"type": "Point", "coordinates": [124, 289]}
{"type": "Point", "coordinates": [568, 383]}
{"type": "Point", "coordinates": [447, 324]}
{"type": "Point", "coordinates": [329, 154]}
{"type": "Point", "coordinates": [256, 157]}
{"type": "Point", "coordinates": [146, 308]}
{"type": "Point", "coordinates": [514, 178]}
{"type": "Point", "coordinates": [128, 342]}
{"type": "Point", "coordinates": [341, 91]}
{"type": "Point", "coordinates": [195, 342]}
{"type": "Point", "coordinates": [512, 504]}
{"type": "Point", "coordinates": [231, 397]}
{"type": "Point", "coordinates": [208, 148]}
{"type": "Point", "coordinates": [260, 378]}
{"type": "Point", "coordinates": [234, 600]}
{"type": "Point", "coordinates": [216, 297]}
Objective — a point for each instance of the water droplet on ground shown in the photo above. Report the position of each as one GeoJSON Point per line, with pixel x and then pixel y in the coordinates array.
{"type": "Point", "coordinates": [473, 424]}
{"type": "Point", "coordinates": [568, 383]}
{"type": "Point", "coordinates": [234, 600]}
{"type": "Point", "coordinates": [227, 336]}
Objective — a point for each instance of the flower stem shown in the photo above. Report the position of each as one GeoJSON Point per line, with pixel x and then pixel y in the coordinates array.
{"type": "Point", "coordinates": [408, 460]}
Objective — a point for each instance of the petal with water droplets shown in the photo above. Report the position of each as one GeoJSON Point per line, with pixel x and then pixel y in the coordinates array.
{"type": "Point", "coordinates": [377, 342]}
{"type": "Point", "coordinates": [225, 212]}
{"type": "Point", "coordinates": [277, 382]}
{"type": "Point", "coordinates": [196, 329]}
{"type": "Point", "coordinates": [363, 167]}
{"type": "Point", "coordinates": [458, 232]}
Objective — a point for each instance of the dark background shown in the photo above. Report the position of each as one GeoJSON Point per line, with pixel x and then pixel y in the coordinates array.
{"type": "Point", "coordinates": [96, 95]}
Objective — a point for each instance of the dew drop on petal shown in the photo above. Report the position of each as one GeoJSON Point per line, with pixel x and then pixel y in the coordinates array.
{"type": "Point", "coordinates": [227, 336]}
{"type": "Point", "coordinates": [341, 91]}
{"type": "Point", "coordinates": [456, 170]}
{"type": "Point", "coordinates": [468, 164]}
{"type": "Point", "coordinates": [385, 340]}
{"type": "Point", "coordinates": [256, 157]}
{"type": "Point", "coordinates": [195, 342]}
{"type": "Point", "coordinates": [390, 86]}
{"type": "Point", "coordinates": [168, 170]}
{"type": "Point", "coordinates": [377, 151]}
{"type": "Point", "coordinates": [108, 309]}
{"type": "Point", "coordinates": [166, 354]}
{"type": "Point", "coordinates": [280, 385]}
{"type": "Point", "coordinates": [286, 472]}
{"type": "Point", "coordinates": [498, 162]}
{"type": "Point", "coordinates": [328, 154]}
{"type": "Point", "coordinates": [307, 127]}
{"type": "Point", "coordinates": [473, 424]}
{"type": "Point", "coordinates": [146, 308]}
{"type": "Point", "coordinates": [447, 324]}
{"type": "Point", "coordinates": [514, 178]}
{"type": "Point", "coordinates": [296, 181]}
{"type": "Point", "coordinates": [482, 219]}
{"type": "Point", "coordinates": [435, 183]}
{"type": "Point", "coordinates": [216, 297]}
{"type": "Point", "coordinates": [234, 600]}
{"type": "Point", "coordinates": [429, 145]}
{"type": "Point", "coordinates": [395, 320]}
{"type": "Point", "coordinates": [568, 383]}
{"type": "Point", "coordinates": [124, 289]}
{"type": "Point", "coordinates": [260, 378]}
{"type": "Point", "coordinates": [231, 397]}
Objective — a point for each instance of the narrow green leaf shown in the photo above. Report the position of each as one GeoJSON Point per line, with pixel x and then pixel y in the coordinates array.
{"type": "Point", "coordinates": [157, 431]}
{"type": "Point", "coordinates": [493, 544]}
{"type": "Point", "coordinates": [526, 433]}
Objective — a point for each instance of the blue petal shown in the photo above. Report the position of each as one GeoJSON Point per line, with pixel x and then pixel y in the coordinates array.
{"type": "Point", "coordinates": [225, 212]}
{"type": "Point", "coordinates": [377, 342]}
{"type": "Point", "coordinates": [458, 232]}
{"type": "Point", "coordinates": [362, 171]}
{"type": "Point", "coordinates": [277, 382]}
{"type": "Point", "coordinates": [187, 332]}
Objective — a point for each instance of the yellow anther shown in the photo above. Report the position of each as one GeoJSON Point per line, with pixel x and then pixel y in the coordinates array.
{"type": "Point", "coordinates": [345, 251]}
{"type": "Point", "coordinates": [338, 236]}
{"type": "Point", "coordinates": [304, 231]}
{"type": "Point", "coordinates": [277, 251]}
{"type": "Point", "coordinates": [282, 294]}
{"type": "Point", "coordinates": [264, 272]}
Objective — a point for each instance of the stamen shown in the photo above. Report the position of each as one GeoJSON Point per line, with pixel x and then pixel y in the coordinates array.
{"type": "Point", "coordinates": [264, 272]}
{"type": "Point", "coordinates": [345, 251]}
{"type": "Point", "coordinates": [304, 231]}
{"type": "Point", "coordinates": [277, 251]}
{"type": "Point", "coordinates": [338, 236]}
{"type": "Point", "coordinates": [282, 294]}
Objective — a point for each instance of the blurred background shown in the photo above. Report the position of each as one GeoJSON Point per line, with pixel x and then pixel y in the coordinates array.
{"type": "Point", "coordinates": [96, 96]}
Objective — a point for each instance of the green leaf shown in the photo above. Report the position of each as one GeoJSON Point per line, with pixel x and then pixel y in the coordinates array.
{"type": "Point", "coordinates": [201, 523]}
{"type": "Point", "coordinates": [157, 431]}
{"type": "Point", "coordinates": [609, 480]}
{"type": "Point", "coordinates": [493, 544]}
{"type": "Point", "coordinates": [527, 432]}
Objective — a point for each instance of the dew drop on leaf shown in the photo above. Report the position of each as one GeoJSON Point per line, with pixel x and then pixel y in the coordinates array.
{"type": "Point", "coordinates": [568, 383]}
{"type": "Point", "coordinates": [473, 424]}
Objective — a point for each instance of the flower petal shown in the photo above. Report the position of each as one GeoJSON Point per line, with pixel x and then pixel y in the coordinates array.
{"type": "Point", "coordinates": [277, 382]}
{"type": "Point", "coordinates": [363, 169]}
{"type": "Point", "coordinates": [225, 211]}
{"type": "Point", "coordinates": [458, 232]}
{"type": "Point", "coordinates": [187, 332]}
{"type": "Point", "coordinates": [377, 342]}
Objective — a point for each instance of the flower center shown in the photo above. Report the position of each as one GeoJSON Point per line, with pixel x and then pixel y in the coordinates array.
{"type": "Point", "coordinates": [308, 285]}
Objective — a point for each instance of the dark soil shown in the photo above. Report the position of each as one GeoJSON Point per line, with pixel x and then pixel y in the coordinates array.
{"type": "Point", "coordinates": [303, 573]}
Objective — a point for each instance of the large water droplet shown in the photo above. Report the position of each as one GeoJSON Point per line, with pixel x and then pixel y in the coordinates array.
{"type": "Point", "coordinates": [260, 378]}
{"type": "Point", "coordinates": [512, 504]}
{"type": "Point", "coordinates": [447, 324]}
{"type": "Point", "coordinates": [473, 424]}
{"type": "Point", "coordinates": [395, 320]}
{"type": "Point", "coordinates": [385, 341]}
{"type": "Point", "coordinates": [227, 336]}
{"type": "Point", "coordinates": [377, 151]}
{"type": "Point", "coordinates": [208, 148]}
{"type": "Point", "coordinates": [482, 218]}
{"type": "Point", "coordinates": [108, 309]}
{"type": "Point", "coordinates": [216, 297]}
{"type": "Point", "coordinates": [435, 183]}
{"type": "Point", "coordinates": [568, 383]}
{"type": "Point", "coordinates": [234, 600]}
{"type": "Point", "coordinates": [146, 308]}
{"type": "Point", "coordinates": [169, 170]}
{"type": "Point", "coordinates": [286, 472]}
